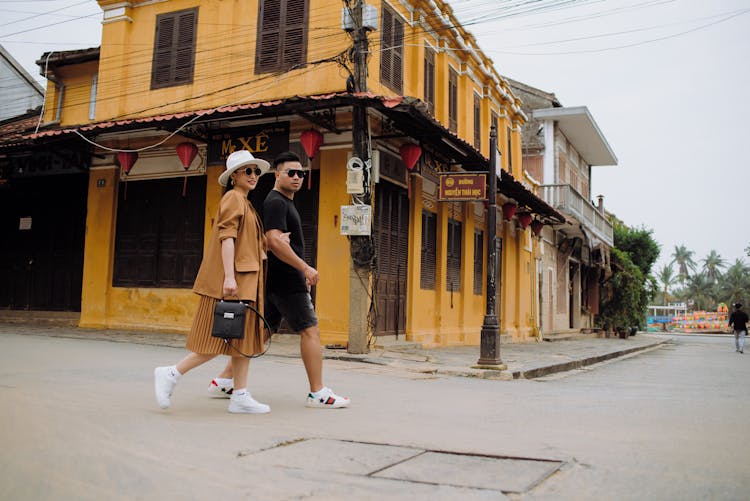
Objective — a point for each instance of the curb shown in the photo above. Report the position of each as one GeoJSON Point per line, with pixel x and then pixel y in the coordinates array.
{"type": "Point", "coordinates": [577, 364]}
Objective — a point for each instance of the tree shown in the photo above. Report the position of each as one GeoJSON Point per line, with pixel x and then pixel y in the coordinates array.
{"type": "Point", "coordinates": [667, 279]}
{"type": "Point", "coordinates": [700, 291]}
{"type": "Point", "coordinates": [735, 283]}
{"type": "Point", "coordinates": [639, 244]}
{"type": "Point", "coordinates": [626, 305]}
{"type": "Point", "coordinates": [685, 264]}
{"type": "Point", "coordinates": [712, 266]}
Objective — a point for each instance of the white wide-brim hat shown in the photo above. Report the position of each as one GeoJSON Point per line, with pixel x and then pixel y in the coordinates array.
{"type": "Point", "coordinates": [239, 159]}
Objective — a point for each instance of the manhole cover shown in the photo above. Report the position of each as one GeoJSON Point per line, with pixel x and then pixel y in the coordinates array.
{"type": "Point", "coordinates": [410, 464]}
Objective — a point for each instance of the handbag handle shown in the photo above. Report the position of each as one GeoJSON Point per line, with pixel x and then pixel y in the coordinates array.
{"type": "Point", "coordinates": [265, 324]}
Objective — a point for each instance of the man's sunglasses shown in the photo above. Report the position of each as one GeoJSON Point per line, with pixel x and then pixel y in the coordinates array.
{"type": "Point", "coordinates": [253, 170]}
{"type": "Point", "coordinates": [296, 172]}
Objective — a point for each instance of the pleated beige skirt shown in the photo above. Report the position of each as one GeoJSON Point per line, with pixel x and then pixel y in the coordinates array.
{"type": "Point", "coordinates": [201, 341]}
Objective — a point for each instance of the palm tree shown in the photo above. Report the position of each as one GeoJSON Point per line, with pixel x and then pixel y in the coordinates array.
{"type": "Point", "coordinates": [667, 279]}
{"type": "Point", "coordinates": [700, 291]}
{"type": "Point", "coordinates": [735, 283]}
{"type": "Point", "coordinates": [712, 265]}
{"type": "Point", "coordinates": [684, 259]}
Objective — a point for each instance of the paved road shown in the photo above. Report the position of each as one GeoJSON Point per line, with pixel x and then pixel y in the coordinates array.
{"type": "Point", "coordinates": [79, 422]}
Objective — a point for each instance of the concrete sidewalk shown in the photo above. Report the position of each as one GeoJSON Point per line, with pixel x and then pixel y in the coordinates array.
{"type": "Point", "coordinates": [523, 360]}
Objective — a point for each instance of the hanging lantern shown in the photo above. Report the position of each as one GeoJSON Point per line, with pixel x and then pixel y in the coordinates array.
{"type": "Point", "coordinates": [536, 227]}
{"type": "Point", "coordinates": [524, 219]}
{"type": "Point", "coordinates": [187, 152]}
{"type": "Point", "coordinates": [126, 159]}
{"type": "Point", "coordinates": [509, 210]}
{"type": "Point", "coordinates": [410, 153]}
{"type": "Point", "coordinates": [311, 141]}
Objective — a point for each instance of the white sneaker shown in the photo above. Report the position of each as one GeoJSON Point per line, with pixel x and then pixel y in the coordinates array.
{"type": "Point", "coordinates": [246, 404]}
{"type": "Point", "coordinates": [216, 390]}
{"type": "Point", "coordinates": [163, 386]}
{"type": "Point", "coordinates": [326, 399]}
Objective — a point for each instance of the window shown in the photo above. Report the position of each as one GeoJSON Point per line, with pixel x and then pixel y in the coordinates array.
{"type": "Point", "coordinates": [159, 240]}
{"type": "Point", "coordinates": [510, 149]}
{"type": "Point", "coordinates": [392, 53]}
{"type": "Point", "coordinates": [478, 263]}
{"type": "Point", "coordinates": [454, 255]}
{"type": "Point", "coordinates": [494, 122]}
{"type": "Point", "coordinates": [92, 97]}
{"type": "Point", "coordinates": [282, 35]}
{"type": "Point", "coordinates": [453, 100]}
{"type": "Point", "coordinates": [477, 122]}
{"type": "Point", "coordinates": [174, 49]}
{"type": "Point", "coordinates": [429, 243]}
{"type": "Point", "coordinates": [429, 78]}
{"type": "Point", "coordinates": [60, 90]}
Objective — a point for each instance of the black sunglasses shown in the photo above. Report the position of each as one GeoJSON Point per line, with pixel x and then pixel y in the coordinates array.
{"type": "Point", "coordinates": [253, 170]}
{"type": "Point", "coordinates": [296, 172]}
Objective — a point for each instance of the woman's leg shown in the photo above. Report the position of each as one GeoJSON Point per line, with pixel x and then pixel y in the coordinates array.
{"type": "Point", "coordinates": [191, 361]}
{"type": "Point", "coordinates": [227, 372]}
{"type": "Point", "coordinates": [240, 368]}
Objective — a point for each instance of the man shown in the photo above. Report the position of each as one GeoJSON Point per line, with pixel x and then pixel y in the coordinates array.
{"type": "Point", "coordinates": [289, 281]}
{"type": "Point", "coordinates": [738, 319]}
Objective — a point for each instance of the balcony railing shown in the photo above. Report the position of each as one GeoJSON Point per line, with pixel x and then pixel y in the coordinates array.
{"type": "Point", "coordinates": [565, 199]}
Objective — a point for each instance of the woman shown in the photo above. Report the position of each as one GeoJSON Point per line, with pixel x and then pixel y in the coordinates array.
{"type": "Point", "coordinates": [232, 268]}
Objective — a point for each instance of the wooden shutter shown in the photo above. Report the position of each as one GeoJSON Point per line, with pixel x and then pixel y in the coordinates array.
{"type": "Point", "coordinates": [495, 123]}
{"type": "Point", "coordinates": [159, 239]}
{"type": "Point", "coordinates": [429, 242]}
{"type": "Point", "coordinates": [477, 122]}
{"type": "Point", "coordinates": [392, 53]}
{"type": "Point", "coordinates": [282, 35]}
{"type": "Point", "coordinates": [452, 100]}
{"type": "Point", "coordinates": [429, 78]}
{"type": "Point", "coordinates": [510, 149]}
{"type": "Point", "coordinates": [454, 255]}
{"type": "Point", "coordinates": [478, 263]}
{"type": "Point", "coordinates": [174, 49]}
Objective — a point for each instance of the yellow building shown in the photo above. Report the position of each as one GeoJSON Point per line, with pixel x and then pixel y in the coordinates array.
{"type": "Point", "coordinates": [260, 75]}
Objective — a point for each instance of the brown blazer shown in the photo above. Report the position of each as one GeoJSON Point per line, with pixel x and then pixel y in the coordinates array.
{"type": "Point", "coordinates": [237, 219]}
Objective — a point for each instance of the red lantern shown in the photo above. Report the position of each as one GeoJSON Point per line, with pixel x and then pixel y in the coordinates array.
{"type": "Point", "coordinates": [187, 152]}
{"type": "Point", "coordinates": [311, 141]}
{"type": "Point", "coordinates": [524, 219]}
{"type": "Point", "coordinates": [509, 210]}
{"type": "Point", "coordinates": [410, 153]}
{"type": "Point", "coordinates": [126, 159]}
{"type": "Point", "coordinates": [536, 227]}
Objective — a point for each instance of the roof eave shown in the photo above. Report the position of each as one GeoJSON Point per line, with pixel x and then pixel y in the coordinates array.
{"type": "Point", "coordinates": [582, 131]}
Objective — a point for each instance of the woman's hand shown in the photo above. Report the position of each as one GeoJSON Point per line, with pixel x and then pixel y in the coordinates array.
{"type": "Point", "coordinates": [230, 287]}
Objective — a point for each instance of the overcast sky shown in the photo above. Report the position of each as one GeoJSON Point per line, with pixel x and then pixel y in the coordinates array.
{"type": "Point", "coordinates": [665, 80]}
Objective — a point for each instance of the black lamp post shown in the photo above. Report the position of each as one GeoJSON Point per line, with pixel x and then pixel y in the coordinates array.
{"type": "Point", "coordinates": [489, 349]}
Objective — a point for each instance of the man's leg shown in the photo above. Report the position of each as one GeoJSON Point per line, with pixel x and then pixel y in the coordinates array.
{"type": "Point", "coordinates": [743, 334]}
{"type": "Point", "coordinates": [736, 340]}
{"type": "Point", "coordinates": [312, 356]}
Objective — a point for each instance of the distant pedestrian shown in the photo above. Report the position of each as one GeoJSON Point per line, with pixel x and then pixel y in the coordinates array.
{"type": "Point", "coordinates": [738, 320]}
{"type": "Point", "coordinates": [232, 268]}
{"type": "Point", "coordinates": [289, 282]}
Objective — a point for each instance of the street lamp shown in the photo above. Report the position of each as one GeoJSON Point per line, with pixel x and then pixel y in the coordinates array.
{"type": "Point", "coordinates": [489, 348]}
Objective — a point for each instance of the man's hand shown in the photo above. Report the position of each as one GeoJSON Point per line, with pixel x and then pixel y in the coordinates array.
{"type": "Point", "coordinates": [311, 276]}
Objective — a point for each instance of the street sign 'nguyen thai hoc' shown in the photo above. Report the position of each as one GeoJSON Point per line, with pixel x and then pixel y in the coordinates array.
{"type": "Point", "coordinates": [462, 187]}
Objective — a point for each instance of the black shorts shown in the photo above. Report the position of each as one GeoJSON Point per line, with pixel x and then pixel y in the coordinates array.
{"type": "Point", "coordinates": [295, 307]}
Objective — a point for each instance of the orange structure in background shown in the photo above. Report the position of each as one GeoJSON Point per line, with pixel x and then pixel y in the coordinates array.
{"type": "Point", "coordinates": [702, 321]}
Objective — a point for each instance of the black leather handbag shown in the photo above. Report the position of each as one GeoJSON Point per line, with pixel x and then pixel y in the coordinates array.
{"type": "Point", "coordinates": [229, 320]}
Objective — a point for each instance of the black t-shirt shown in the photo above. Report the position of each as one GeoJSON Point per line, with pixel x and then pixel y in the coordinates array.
{"type": "Point", "coordinates": [279, 213]}
{"type": "Point", "coordinates": [739, 319]}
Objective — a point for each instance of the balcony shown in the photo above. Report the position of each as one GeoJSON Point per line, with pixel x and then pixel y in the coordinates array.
{"type": "Point", "coordinates": [568, 201]}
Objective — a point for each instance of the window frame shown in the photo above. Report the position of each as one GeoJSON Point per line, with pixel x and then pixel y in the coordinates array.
{"type": "Point", "coordinates": [428, 254]}
{"type": "Point", "coordinates": [429, 78]}
{"type": "Point", "coordinates": [478, 261]}
{"type": "Point", "coordinates": [274, 41]}
{"type": "Point", "coordinates": [167, 58]}
{"type": "Point", "coordinates": [477, 122]}
{"type": "Point", "coordinates": [453, 255]}
{"type": "Point", "coordinates": [392, 50]}
{"type": "Point", "coordinates": [452, 99]}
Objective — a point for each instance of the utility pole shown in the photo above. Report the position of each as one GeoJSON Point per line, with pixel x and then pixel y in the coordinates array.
{"type": "Point", "coordinates": [489, 347]}
{"type": "Point", "coordinates": [360, 246]}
